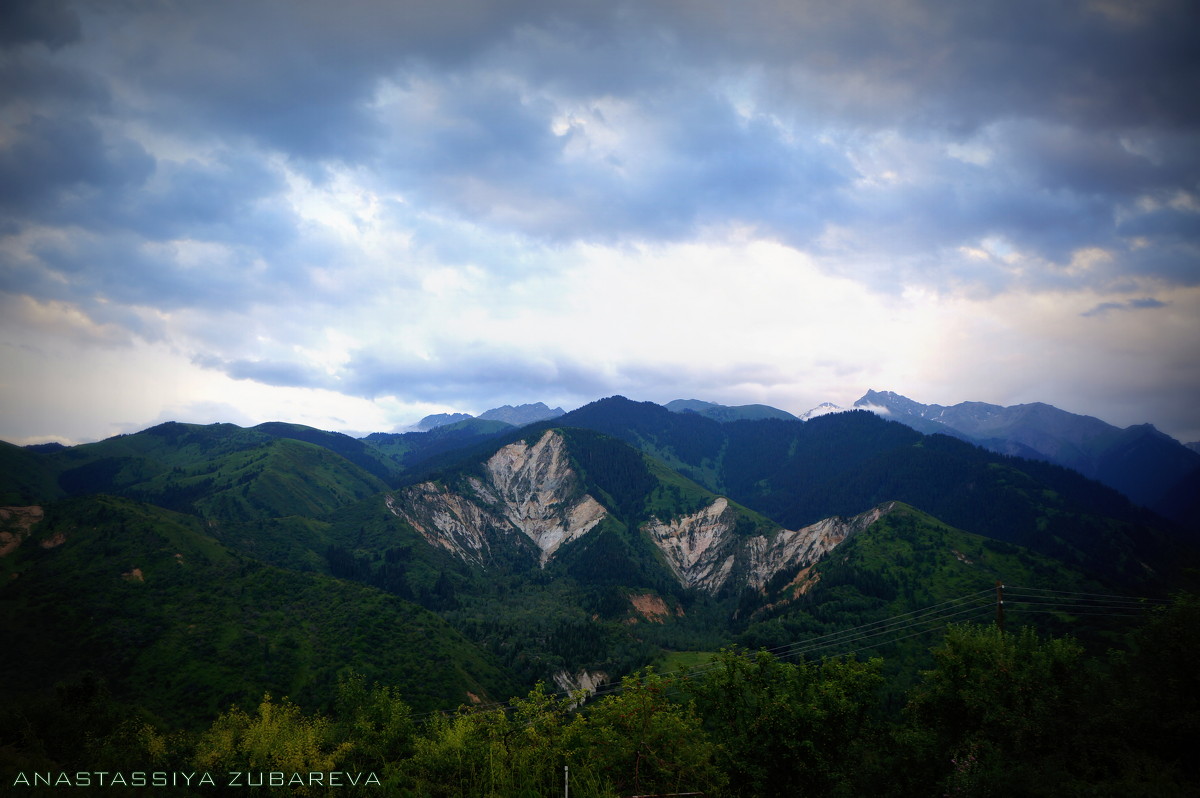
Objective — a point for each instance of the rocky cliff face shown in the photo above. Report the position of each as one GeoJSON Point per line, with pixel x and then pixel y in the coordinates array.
{"type": "Point", "coordinates": [528, 490]}
{"type": "Point", "coordinates": [587, 681]}
{"type": "Point", "coordinates": [704, 551]}
{"type": "Point", "coordinates": [528, 495]}
{"type": "Point", "coordinates": [700, 548]}
{"type": "Point", "coordinates": [789, 549]}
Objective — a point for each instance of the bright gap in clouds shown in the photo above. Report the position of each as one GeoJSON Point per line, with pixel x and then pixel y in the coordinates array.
{"type": "Point", "coordinates": [735, 319]}
{"type": "Point", "coordinates": [731, 320]}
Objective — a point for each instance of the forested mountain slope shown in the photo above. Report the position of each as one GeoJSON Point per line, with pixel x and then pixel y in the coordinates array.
{"type": "Point", "coordinates": [174, 620]}
{"type": "Point", "coordinates": [799, 472]}
{"type": "Point", "coordinates": [589, 543]}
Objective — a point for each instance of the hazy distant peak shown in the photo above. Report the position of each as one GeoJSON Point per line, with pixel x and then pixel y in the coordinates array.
{"type": "Point", "coordinates": [1146, 465]}
{"type": "Point", "coordinates": [719, 412]}
{"type": "Point", "coordinates": [890, 403]}
{"type": "Point", "coordinates": [521, 415]}
{"type": "Point", "coordinates": [437, 420]}
{"type": "Point", "coordinates": [518, 416]}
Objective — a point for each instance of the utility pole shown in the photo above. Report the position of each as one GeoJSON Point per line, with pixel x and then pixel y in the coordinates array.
{"type": "Point", "coordinates": [999, 605]}
{"type": "Point", "coordinates": [566, 781]}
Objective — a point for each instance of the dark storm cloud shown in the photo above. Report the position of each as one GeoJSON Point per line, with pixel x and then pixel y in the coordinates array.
{"type": "Point", "coordinates": [48, 163]}
{"type": "Point", "coordinates": [492, 156]}
{"type": "Point", "coordinates": [49, 22]}
{"type": "Point", "coordinates": [673, 117]}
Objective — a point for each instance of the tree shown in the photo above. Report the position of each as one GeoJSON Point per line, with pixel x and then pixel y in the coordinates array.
{"type": "Point", "coordinates": [278, 737]}
{"type": "Point", "coordinates": [505, 751]}
{"type": "Point", "coordinates": [787, 728]}
{"type": "Point", "coordinates": [375, 721]}
{"type": "Point", "coordinates": [639, 742]}
{"type": "Point", "coordinates": [1001, 711]}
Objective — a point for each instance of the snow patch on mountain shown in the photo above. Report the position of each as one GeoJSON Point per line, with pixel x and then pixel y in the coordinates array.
{"type": "Point", "coordinates": [823, 409]}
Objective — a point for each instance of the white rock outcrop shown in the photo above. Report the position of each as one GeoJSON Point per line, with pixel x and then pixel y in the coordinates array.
{"type": "Point", "coordinates": [698, 547]}
{"type": "Point", "coordinates": [703, 549]}
{"type": "Point", "coordinates": [535, 486]}
{"type": "Point", "coordinates": [530, 491]}
{"type": "Point", "coordinates": [527, 489]}
{"type": "Point", "coordinates": [587, 681]}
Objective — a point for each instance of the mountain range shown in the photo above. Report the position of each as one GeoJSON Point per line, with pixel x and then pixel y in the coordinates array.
{"type": "Point", "coordinates": [468, 561]}
{"type": "Point", "coordinates": [517, 416]}
{"type": "Point", "coordinates": [1148, 466]}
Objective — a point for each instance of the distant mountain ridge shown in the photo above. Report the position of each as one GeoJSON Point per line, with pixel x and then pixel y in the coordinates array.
{"type": "Point", "coordinates": [1148, 466]}
{"type": "Point", "coordinates": [723, 413]}
{"type": "Point", "coordinates": [518, 416]}
{"type": "Point", "coordinates": [521, 415]}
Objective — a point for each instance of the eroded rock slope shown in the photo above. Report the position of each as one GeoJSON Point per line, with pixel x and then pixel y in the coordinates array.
{"type": "Point", "coordinates": [528, 495]}
{"type": "Point", "coordinates": [529, 492]}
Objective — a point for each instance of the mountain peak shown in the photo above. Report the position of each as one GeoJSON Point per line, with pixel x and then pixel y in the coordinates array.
{"type": "Point", "coordinates": [438, 420]}
{"type": "Point", "coordinates": [719, 412]}
{"type": "Point", "coordinates": [823, 409]}
{"type": "Point", "coordinates": [521, 415]}
{"type": "Point", "coordinates": [891, 403]}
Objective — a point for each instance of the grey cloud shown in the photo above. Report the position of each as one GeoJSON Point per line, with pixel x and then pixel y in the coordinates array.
{"type": "Point", "coordinates": [49, 158]}
{"type": "Point", "coordinates": [91, 271]}
{"type": "Point", "coordinates": [487, 374]}
{"type": "Point", "coordinates": [49, 22]}
{"type": "Point", "coordinates": [1082, 110]}
{"type": "Point", "coordinates": [267, 372]}
{"type": "Point", "coordinates": [1146, 303]}
{"type": "Point", "coordinates": [469, 375]}
{"type": "Point", "coordinates": [492, 156]}
{"type": "Point", "coordinates": [231, 199]}
{"type": "Point", "coordinates": [297, 76]}
{"type": "Point", "coordinates": [957, 65]}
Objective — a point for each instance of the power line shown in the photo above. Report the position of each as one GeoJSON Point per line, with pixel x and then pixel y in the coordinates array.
{"type": "Point", "coordinates": [933, 618]}
{"type": "Point", "coordinates": [1144, 599]}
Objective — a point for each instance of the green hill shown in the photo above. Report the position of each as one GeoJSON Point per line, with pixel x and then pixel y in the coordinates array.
{"type": "Point", "coordinates": [906, 562]}
{"type": "Point", "coordinates": [26, 477]}
{"type": "Point", "coordinates": [183, 627]}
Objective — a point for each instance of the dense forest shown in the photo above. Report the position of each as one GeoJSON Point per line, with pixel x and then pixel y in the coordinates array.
{"type": "Point", "coordinates": [997, 713]}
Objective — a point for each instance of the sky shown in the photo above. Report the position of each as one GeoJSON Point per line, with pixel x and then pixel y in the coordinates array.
{"type": "Point", "coordinates": [353, 214]}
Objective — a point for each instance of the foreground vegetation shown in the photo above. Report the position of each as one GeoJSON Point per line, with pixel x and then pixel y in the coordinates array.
{"type": "Point", "coordinates": [997, 714]}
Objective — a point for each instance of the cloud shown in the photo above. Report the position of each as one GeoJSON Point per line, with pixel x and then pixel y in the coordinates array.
{"type": "Point", "coordinates": [568, 122]}
{"type": "Point", "coordinates": [1132, 304]}
{"type": "Point", "coordinates": [456, 201]}
{"type": "Point", "coordinates": [48, 22]}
